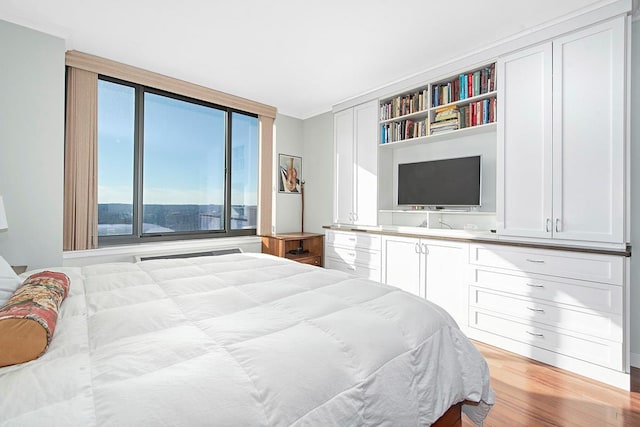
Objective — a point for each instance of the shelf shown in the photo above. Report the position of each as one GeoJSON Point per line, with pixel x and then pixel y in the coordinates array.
{"type": "Point", "coordinates": [421, 114]}
{"type": "Point", "coordinates": [435, 211]}
{"type": "Point", "coordinates": [467, 100]}
{"type": "Point", "coordinates": [458, 133]}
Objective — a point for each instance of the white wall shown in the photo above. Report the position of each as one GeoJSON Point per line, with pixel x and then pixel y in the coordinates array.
{"type": "Point", "coordinates": [635, 193]}
{"type": "Point", "coordinates": [483, 144]}
{"type": "Point", "coordinates": [31, 145]}
{"type": "Point", "coordinates": [318, 171]}
{"type": "Point", "coordinates": [289, 137]}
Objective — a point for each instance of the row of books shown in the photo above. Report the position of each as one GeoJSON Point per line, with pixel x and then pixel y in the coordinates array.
{"type": "Point", "coordinates": [445, 120]}
{"type": "Point", "coordinates": [478, 113]}
{"type": "Point", "coordinates": [404, 129]}
{"type": "Point", "coordinates": [465, 86]}
{"type": "Point", "coordinates": [405, 104]}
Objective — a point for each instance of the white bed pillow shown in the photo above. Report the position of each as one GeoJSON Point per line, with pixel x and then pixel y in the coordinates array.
{"type": "Point", "coordinates": [9, 281]}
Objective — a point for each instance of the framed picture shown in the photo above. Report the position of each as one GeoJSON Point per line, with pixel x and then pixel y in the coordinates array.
{"type": "Point", "coordinates": [289, 173]}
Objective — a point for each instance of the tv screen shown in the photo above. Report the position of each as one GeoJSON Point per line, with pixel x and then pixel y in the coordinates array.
{"type": "Point", "coordinates": [440, 183]}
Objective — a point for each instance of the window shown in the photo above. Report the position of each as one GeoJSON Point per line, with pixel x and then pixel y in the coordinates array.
{"type": "Point", "coordinates": [173, 167]}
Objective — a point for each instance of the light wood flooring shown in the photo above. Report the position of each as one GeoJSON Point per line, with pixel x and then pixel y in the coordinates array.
{"type": "Point", "coordinates": [529, 393]}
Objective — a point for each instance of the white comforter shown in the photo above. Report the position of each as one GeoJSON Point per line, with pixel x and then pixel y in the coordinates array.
{"type": "Point", "coordinates": [243, 340]}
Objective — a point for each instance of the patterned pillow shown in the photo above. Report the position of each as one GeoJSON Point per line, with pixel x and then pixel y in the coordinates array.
{"type": "Point", "coordinates": [28, 319]}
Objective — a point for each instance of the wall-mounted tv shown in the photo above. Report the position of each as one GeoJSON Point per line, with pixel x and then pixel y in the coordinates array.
{"type": "Point", "coordinates": [441, 183]}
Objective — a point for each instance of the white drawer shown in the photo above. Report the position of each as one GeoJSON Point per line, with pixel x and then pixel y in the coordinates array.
{"type": "Point", "coordinates": [352, 255]}
{"type": "Point", "coordinates": [353, 239]}
{"type": "Point", "coordinates": [586, 266]}
{"type": "Point", "coordinates": [578, 293]}
{"type": "Point", "coordinates": [357, 269]}
{"type": "Point", "coordinates": [593, 350]}
{"type": "Point", "coordinates": [602, 325]}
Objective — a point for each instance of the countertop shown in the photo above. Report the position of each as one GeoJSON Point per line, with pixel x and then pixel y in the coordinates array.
{"type": "Point", "coordinates": [479, 236]}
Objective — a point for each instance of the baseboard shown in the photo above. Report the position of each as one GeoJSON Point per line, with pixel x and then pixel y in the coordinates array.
{"type": "Point", "coordinates": [635, 360]}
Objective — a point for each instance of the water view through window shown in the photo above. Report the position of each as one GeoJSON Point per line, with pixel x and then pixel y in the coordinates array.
{"type": "Point", "coordinates": [181, 177]}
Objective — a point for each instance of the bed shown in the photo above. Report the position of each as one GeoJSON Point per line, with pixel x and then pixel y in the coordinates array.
{"type": "Point", "coordinates": [243, 340]}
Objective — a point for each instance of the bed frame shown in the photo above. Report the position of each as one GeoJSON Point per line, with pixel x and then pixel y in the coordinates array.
{"type": "Point", "coordinates": [451, 418]}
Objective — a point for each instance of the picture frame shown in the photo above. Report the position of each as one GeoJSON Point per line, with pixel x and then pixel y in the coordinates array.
{"type": "Point", "coordinates": [289, 173]}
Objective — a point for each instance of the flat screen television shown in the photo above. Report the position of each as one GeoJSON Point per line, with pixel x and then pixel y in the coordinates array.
{"type": "Point", "coordinates": [441, 183]}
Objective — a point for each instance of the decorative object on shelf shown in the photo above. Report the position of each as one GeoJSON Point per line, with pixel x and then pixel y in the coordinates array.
{"type": "Point", "coordinates": [290, 173]}
{"type": "Point", "coordinates": [3, 216]}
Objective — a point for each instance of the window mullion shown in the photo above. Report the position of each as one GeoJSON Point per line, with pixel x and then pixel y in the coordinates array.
{"type": "Point", "coordinates": [138, 164]}
{"type": "Point", "coordinates": [227, 173]}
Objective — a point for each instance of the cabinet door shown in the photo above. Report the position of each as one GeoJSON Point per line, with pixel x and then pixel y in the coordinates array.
{"type": "Point", "coordinates": [588, 138]}
{"type": "Point", "coordinates": [344, 160]}
{"type": "Point", "coordinates": [402, 264]}
{"type": "Point", "coordinates": [524, 149]}
{"type": "Point", "coordinates": [445, 267]}
{"type": "Point", "coordinates": [366, 164]}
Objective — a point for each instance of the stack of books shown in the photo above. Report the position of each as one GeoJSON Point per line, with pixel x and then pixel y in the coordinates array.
{"type": "Point", "coordinates": [445, 120]}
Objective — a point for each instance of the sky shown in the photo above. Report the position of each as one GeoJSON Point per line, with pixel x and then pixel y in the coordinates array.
{"type": "Point", "coordinates": [183, 150]}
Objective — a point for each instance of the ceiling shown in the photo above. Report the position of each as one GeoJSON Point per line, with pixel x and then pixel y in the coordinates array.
{"type": "Point", "coordinates": [299, 56]}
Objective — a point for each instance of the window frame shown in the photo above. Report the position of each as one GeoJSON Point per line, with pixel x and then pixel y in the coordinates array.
{"type": "Point", "coordinates": [138, 172]}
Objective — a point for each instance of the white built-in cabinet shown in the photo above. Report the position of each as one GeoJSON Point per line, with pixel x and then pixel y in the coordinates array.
{"type": "Point", "coordinates": [432, 269]}
{"type": "Point", "coordinates": [356, 165]}
{"type": "Point", "coordinates": [561, 138]}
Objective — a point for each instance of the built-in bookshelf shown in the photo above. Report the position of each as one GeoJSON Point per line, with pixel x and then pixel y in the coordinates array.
{"type": "Point", "coordinates": [458, 103]}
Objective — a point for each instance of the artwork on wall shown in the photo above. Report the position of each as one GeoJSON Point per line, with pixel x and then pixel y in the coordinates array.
{"type": "Point", "coordinates": [290, 173]}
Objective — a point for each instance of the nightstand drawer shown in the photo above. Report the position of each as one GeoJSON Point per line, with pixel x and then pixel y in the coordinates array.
{"type": "Point", "coordinates": [314, 260]}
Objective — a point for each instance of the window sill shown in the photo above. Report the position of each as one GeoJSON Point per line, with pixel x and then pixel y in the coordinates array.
{"type": "Point", "coordinates": [127, 253]}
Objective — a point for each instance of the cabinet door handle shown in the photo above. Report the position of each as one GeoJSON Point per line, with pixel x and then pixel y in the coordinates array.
{"type": "Point", "coordinates": [355, 216]}
{"type": "Point", "coordinates": [557, 225]}
{"type": "Point", "coordinates": [548, 225]}
{"type": "Point", "coordinates": [417, 248]}
{"type": "Point", "coordinates": [534, 285]}
{"type": "Point", "coordinates": [424, 249]}
{"type": "Point", "coordinates": [536, 310]}
{"type": "Point", "coordinates": [536, 261]}
{"type": "Point", "coordinates": [533, 334]}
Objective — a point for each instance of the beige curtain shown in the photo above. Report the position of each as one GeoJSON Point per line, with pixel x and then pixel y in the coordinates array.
{"type": "Point", "coordinates": [81, 161]}
{"type": "Point", "coordinates": [265, 181]}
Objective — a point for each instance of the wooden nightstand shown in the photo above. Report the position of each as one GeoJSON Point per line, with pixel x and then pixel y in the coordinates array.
{"type": "Point", "coordinates": [283, 245]}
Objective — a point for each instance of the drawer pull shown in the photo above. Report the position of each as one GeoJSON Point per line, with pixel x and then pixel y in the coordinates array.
{"type": "Point", "coordinates": [534, 285]}
{"type": "Point", "coordinates": [536, 310]}
{"type": "Point", "coordinates": [352, 254]}
{"type": "Point", "coordinates": [352, 239]}
{"type": "Point", "coordinates": [536, 261]}
{"type": "Point", "coordinates": [351, 267]}
{"type": "Point", "coordinates": [533, 334]}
